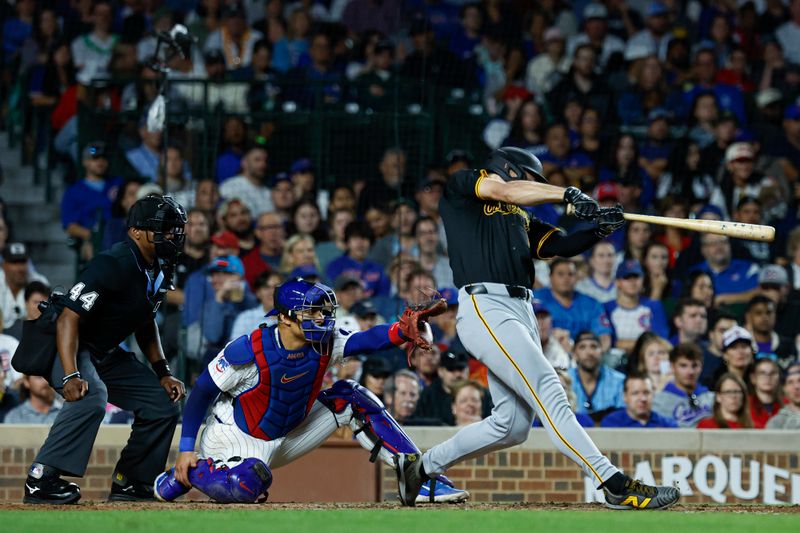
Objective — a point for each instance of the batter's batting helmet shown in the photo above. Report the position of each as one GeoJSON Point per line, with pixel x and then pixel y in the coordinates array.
{"type": "Point", "coordinates": [297, 297]}
{"type": "Point", "coordinates": [502, 160]}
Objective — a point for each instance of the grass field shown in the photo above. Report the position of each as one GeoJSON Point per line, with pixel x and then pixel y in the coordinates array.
{"type": "Point", "coordinates": [459, 519]}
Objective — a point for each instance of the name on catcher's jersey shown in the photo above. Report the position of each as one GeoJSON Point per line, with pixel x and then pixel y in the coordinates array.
{"type": "Point", "coordinates": [487, 240]}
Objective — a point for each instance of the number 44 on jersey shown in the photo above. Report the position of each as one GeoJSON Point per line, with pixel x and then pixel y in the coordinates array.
{"type": "Point", "coordinates": [87, 299]}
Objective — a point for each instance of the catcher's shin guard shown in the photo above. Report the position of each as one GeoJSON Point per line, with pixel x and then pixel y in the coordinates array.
{"type": "Point", "coordinates": [374, 428]}
{"type": "Point", "coordinates": [245, 482]}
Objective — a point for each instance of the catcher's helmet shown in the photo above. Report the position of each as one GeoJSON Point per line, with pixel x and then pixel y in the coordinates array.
{"type": "Point", "coordinates": [502, 160]}
{"type": "Point", "coordinates": [166, 218]}
{"type": "Point", "coordinates": [298, 297]}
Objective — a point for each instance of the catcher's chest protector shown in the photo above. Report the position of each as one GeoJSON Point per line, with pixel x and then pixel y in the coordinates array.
{"type": "Point", "coordinates": [285, 392]}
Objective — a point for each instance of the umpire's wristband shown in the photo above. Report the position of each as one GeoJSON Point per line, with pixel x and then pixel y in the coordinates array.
{"type": "Point", "coordinates": [161, 368]}
{"type": "Point", "coordinates": [69, 377]}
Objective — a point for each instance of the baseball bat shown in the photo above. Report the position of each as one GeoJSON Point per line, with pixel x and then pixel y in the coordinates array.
{"type": "Point", "coordinates": [739, 230]}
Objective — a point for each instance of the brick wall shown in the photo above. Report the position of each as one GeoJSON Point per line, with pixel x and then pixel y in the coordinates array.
{"type": "Point", "coordinates": [303, 480]}
{"type": "Point", "coordinates": [709, 466]}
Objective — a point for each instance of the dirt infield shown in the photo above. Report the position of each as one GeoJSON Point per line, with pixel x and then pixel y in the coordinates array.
{"type": "Point", "coordinates": [103, 506]}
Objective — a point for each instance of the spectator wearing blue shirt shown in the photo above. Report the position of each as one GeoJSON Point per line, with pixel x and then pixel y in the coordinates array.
{"type": "Point", "coordinates": [597, 388]}
{"type": "Point", "coordinates": [17, 29]}
{"type": "Point", "coordinates": [571, 310]}
{"type": "Point", "coordinates": [234, 135]}
{"type": "Point", "coordinates": [354, 262]}
{"type": "Point", "coordinates": [583, 419]}
{"type": "Point", "coordinates": [146, 158]}
{"type": "Point", "coordinates": [729, 97]}
{"type": "Point", "coordinates": [630, 314]}
{"type": "Point", "coordinates": [735, 280]}
{"type": "Point", "coordinates": [229, 297]}
{"type": "Point", "coordinates": [576, 164]}
{"type": "Point", "coordinates": [88, 202]}
{"type": "Point", "coordinates": [468, 35]}
{"type": "Point", "coordinates": [683, 399]}
{"type": "Point", "coordinates": [638, 393]}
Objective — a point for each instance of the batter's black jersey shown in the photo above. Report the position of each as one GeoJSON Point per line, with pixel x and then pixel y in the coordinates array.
{"type": "Point", "coordinates": [487, 240]}
{"type": "Point", "coordinates": [115, 294]}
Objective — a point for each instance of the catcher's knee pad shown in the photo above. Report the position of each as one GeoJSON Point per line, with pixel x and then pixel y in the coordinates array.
{"type": "Point", "coordinates": [244, 483]}
{"type": "Point", "coordinates": [372, 420]}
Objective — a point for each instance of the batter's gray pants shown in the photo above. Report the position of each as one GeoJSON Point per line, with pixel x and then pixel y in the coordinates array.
{"type": "Point", "coordinates": [501, 332]}
{"type": "Point", "coordinates": [129, 384]}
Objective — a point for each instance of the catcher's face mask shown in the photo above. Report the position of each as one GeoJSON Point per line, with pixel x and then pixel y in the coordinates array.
{"type": "Point", "coordinates": [312, 306]}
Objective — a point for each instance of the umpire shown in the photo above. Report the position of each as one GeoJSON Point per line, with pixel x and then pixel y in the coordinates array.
{"type": "Point", "coordinates": [117, 295]}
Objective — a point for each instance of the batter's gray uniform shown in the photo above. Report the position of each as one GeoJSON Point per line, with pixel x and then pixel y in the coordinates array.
{"type": "Point", "coordinates": [490, 245]}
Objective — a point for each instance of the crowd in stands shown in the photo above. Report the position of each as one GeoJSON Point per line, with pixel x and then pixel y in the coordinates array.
{"type": "Point", "coordinates": [679, 108]}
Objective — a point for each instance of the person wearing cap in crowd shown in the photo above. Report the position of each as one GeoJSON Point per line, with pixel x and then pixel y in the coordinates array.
{"type": "Point", "coordinates": [553, 339]}
{"type": "Point", "coordinates": [595, 33]}
{"type": "Point", "coordinates": [773, 282]}
{"type": "Point", "coordinates": [597, 387]}
{"type": "Point", "coordinates": [738, 352]}
{"type": "Point", "coordinates": [234, 38]}
{"type": "Point", "coordinates": [198, 284]}
{"type": "Point", "coordinates": [684, 399]}
{"type": "Point", "coordinates": [89, 200]}
{"type": "Point", "coordinates": [14, 277]}
{"type": "Point", "coordinates": [308, 272]}
{"type": "Point", "coordinates": [365, 314]}
{"type": "Point", "coordinates": [282, 194]}
{"type": "Point", "coordinates": [599, 284]}
{"type": "Point", "coordinates": [444, 325]}
{"type": "Point", "coordinates": [638, 411]}
{"type": "Point", "coordinates": [304, 183]}
{"type": "Point", "coordinates": [349, 290]}
{"type": "Point", "coordinates": [270, 232]}
{"type": "Point", "coordinates": [426, 230]}
{"type": "Point", "coordinates": [741, 178]}
{"type": "Point", "coordinates": [630, 314]}
{"type": "Point", "coordinates": [656, 36]}
{"type": "Point", "coordinates": [735, 280]}
{"type": "Point", "coordinates": [720, 322]}
{"type": "Point", "coordinates": [789, 416]}
{"type": "Point", "coordinates": [358, 238]}
{"type": "Point", "coordinates": [767, 123]}
{"type": "Point", "coordinates": [374, 372]}
{"type": "Point", "coordinates": [229, 297]}
{"type": "Point", "coordinates": [234, 216]}
{"type": "Point", "coordinates": [760, 317]}
{"type": "Point", "coordinates": [250, 186]}
{"type": "Point", "coordinates": [436, 399]}
{"type": "Point", "coordinates": [542, 72]}
{"type": "Point", "coordinates": [249, 320]}
{"type": "Point", "coordinates": [116, 296]}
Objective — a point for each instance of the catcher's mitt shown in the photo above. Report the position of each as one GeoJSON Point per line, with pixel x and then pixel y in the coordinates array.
{"type": "Point", "coordinates": [413, 325]}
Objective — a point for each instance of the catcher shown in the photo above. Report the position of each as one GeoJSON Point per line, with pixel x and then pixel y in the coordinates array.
{"type": "Point", "coordinates": [268, 409]}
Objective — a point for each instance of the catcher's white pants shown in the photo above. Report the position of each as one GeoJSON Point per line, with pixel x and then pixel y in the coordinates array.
{"type": "Point", "coordinates": [222, 438]}
{"type": "Point", "coordinates": [501, 332]}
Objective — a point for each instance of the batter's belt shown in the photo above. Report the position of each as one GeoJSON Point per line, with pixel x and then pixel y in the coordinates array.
{"type": "Point", "coordinates": [514, 291]}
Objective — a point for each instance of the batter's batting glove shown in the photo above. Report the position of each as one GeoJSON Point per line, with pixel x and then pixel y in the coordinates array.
{"type": "Point", "coordinates": [609, 220]}
{"type": "Point", "coordinates": [585, 207]}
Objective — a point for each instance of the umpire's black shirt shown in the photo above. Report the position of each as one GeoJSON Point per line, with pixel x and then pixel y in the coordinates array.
{"type": "Point", "coordinates": [487, 240]}
{"type": "Point", "coordinates": [115, 294]}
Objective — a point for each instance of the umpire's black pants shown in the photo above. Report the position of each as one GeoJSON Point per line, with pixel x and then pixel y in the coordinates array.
{"type": "Point", "coordinates": [127, 383]}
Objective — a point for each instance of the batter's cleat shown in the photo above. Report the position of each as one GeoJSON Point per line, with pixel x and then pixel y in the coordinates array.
{"type": "Point", "coordinates": [442, 492]}
{"type": "Point", "coordinates": [637, 495]}
{"type": "Point", "coordinates": [166, 488]}
{"type": "Point", "coordinates": [51, 491]}
{"type": "Point", "coordinates": [409, 477]}
{"type": "Point", "coordinates": [127, 490]}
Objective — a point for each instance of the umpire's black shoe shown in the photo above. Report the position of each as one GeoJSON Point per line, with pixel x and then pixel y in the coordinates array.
{"type": "Point", "coordinates": [50, 490]}
{"type": "Point", "coordinates": [410, 477]}
{"type": "Point", "coordinates": [127, 490]}
{"type": "Point", "coordinates": [637, 495]}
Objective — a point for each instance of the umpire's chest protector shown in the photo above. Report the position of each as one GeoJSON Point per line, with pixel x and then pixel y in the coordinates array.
{"type": "Point", "coordinates": [286, 389]}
